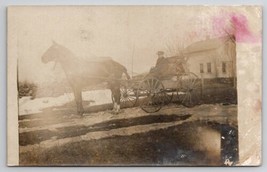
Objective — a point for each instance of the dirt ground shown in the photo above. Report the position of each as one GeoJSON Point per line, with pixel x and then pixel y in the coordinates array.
{"type": "Point", "coordinates": [204, 135]}
{"type": "Point", "coordinates": [173, 136]}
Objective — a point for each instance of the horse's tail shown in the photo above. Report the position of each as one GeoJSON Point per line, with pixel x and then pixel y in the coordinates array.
{"type": "Point", "coordinates": [126, 73]}
{"type": "Point", "coordinates": [120, 68]}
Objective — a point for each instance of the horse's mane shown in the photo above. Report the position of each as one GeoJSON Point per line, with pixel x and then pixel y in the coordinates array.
{"type": "Point", "coordinates": [95, 59]}
{"type": "Point", "coordinates": [84, 59]}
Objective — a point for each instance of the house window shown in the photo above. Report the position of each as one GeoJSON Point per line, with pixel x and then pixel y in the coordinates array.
{"type": "Point", "coordinates": [223, 67]}
{"type": "Point", "coordinates": [201, 68]}
{"type": "Point", "coordinates": [209, 67]}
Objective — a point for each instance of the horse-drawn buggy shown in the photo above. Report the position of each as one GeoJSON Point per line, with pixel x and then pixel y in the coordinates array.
{"type": "Point", "coordinates": [169, 81]}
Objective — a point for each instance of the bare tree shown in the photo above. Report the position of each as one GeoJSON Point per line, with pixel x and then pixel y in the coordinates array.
{"type": "Point", "coordinates": [174, 47]}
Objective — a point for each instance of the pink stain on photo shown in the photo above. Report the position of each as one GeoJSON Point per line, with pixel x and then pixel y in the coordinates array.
{"type": "Point", "coordinates": [236, 24]}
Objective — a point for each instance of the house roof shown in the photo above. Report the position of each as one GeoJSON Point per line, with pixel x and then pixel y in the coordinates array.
{"type": "Point", "coordinates": [205, 45]}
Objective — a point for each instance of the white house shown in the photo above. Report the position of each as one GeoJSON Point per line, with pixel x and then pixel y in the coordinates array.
{"type": "Point", "coordinates": [212, 58]}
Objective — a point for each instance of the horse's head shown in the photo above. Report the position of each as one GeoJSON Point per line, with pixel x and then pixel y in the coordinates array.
{"type": "Point", "coordinates": [51, 53]}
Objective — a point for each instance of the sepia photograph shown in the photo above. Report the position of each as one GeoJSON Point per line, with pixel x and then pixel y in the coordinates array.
{"type": "Point", "coordinates": [134, 85]}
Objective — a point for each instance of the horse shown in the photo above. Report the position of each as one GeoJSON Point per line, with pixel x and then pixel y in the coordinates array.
{"type": "Point", "coordinates": [81, 73]}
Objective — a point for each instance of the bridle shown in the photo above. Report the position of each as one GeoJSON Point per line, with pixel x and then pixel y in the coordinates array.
{"type": "Point", "coordinates": [55, 64]}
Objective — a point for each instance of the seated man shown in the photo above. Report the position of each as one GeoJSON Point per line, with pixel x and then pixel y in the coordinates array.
{"type": "Point", "coordinates": [161, 65]}
{"type": "Point", "coordinates": [161, 57]}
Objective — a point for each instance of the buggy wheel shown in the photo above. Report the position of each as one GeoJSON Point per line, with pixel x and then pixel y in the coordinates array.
{"type": "Point", "coordinates": [151, 95]}
{"type": "Point", "coordinates": [128, 96]}
{"type": "Point", "coordinates": [189, 89]}
{"type": "Point", "coordinates": [169, 96]}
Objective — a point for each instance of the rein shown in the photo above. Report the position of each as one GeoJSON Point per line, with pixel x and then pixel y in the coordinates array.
{"type": "Point", "coordinates": [55, 64]}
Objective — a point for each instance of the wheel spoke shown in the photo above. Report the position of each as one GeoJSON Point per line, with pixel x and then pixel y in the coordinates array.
{"type": "Point", "coordinates": [185, 98]}
{"type": "Point", "coordinates": [146, 84]}
{"type": "Point", "coordinates": [150, 83]}
{"type": "Point", "coordinates": [190, 98]}
{"type": "Point", "coordinates": [192, 83]}
{"type": "Point", "coordinates": [156, 84]}
{"type": "Point", "coordinates": [188, 89]}
{"type": "Point", "coordinates": [151, 97]}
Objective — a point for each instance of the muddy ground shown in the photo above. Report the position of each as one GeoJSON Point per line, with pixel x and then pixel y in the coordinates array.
{"type": "Point", "coordinates": [200, 136]}
{"type": "Point", "coordinates": [183, 137]}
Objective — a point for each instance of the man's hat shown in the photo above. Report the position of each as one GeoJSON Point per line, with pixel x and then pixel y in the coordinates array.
{"type": "Point", "coordinates": [160, 53]}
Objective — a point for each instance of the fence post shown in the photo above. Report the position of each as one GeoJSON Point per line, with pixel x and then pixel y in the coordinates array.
{"type": "Point", "coordinates": [202, 85]}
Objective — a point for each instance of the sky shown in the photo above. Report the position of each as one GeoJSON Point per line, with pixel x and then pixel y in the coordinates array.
{"type": "Point", "coordinates": [131, 35]}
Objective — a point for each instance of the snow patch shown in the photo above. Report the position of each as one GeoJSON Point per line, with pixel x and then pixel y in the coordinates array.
{"type": "Point", "coordinates": [28, 106]}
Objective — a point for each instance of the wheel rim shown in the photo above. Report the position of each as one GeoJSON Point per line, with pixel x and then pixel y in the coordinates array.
{"type": "Point", "coordinates": [150, 95]}
{"type": "Point", "coordinates": [128, 96]}
{"type": "Point", "coordinates": [189, 89]}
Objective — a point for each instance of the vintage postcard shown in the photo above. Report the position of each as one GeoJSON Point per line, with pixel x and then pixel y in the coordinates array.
{"type": "Point", "coordinates": [134, 85]}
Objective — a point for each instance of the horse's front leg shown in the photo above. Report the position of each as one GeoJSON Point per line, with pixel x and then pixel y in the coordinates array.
{"type": "Point", "coordinates": [78, 100]}
{"type": "Point", "coordinates": [115, 89]}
